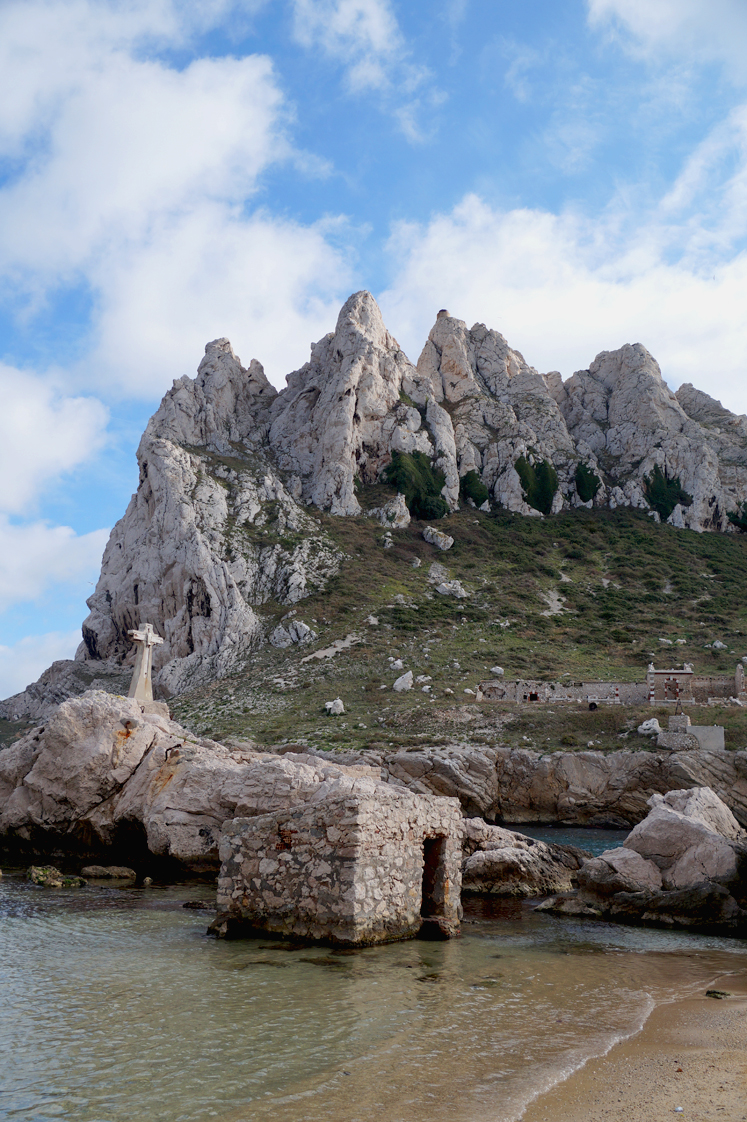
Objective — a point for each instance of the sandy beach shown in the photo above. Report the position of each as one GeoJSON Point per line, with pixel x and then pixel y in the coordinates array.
{"type": "Point", "coordinates": [690, 1054]}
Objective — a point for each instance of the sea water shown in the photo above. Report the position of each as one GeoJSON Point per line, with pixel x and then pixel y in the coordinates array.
{"type": "Point", "coordinates": [116, 1006]}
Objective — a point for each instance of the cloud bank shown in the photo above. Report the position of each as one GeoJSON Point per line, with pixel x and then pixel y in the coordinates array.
{"type": "Point", "coordinates": [560, 291]}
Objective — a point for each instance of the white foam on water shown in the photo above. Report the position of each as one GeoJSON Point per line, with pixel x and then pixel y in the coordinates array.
{"type": "Point", "coordinates": [577, 1064]}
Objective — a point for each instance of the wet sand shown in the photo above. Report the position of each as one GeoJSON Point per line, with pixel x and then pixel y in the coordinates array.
{"type": "Point", "coordinates": [690, 1054]}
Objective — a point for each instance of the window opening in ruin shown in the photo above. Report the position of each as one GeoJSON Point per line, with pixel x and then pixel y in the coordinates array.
{"type": "Point", "coordinates": [433, 895]}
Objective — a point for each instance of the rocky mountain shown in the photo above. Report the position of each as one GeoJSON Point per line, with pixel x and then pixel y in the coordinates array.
{"type": "Point", "coordinates": [231, 473]}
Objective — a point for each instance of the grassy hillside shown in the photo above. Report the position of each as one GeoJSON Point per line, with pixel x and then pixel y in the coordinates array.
{"type": "Point", "coordinates": [581, 595]}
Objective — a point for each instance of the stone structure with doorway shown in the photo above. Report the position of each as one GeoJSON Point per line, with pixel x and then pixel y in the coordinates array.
{"type": "Point", "coordinates": [350, 869]}
{"type": "Point", "coordinates": [670, 685]}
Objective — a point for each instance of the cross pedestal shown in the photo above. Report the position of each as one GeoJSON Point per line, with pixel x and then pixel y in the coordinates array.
{"type": "Point", "coordinates": [141, 686]}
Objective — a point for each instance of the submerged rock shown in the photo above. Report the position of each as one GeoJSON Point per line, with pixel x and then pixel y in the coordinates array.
{"type": "Point", "coordinates": [570, 905]}
{"type": "Point", "coordinates": [108, 872]}
{"type": "Point", "coordinates": [47, 876]}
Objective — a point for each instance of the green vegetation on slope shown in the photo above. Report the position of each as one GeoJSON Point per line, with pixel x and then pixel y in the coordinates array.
{"type": "Point", "coordinates": [587, 483]}
{"type": "Point", "coordinates": [738, 518]}
{"type": "Point", "coordinates": [664, 493]}
{"type": "Point", "coordinates": [625, 584]}
{"type": "Point", "coordinates": [472, 487]}
{"type": "Point", "coordinates": [412, 474]}
{"type": "Point", "coordinates": [539, 482]}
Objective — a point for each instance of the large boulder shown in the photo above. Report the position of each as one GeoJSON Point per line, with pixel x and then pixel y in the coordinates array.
{"type": "Point", "coordinates": [619, 870]}
{"type": "Point", "coordinates": [692, 836]}
{"type": "Point", "coordinates": [685, 864]}
{"type": "Point", "coordinates": [104, 779]}
{"type": "Point", "coordinates": [499, 862]}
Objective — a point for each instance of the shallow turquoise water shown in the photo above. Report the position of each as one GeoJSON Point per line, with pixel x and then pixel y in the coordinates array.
{"type": "Point", "coordinates": [595, 841]}
{"type": "Point", "coordinates": [114, 1006]}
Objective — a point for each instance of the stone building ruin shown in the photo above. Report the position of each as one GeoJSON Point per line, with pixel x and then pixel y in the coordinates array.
{"type": "Point", "coordinates": [669, 685]}
{"type": "Point", "coordinates": [660, 687]}
{"type": "Point", "coordinates": [350, 869]}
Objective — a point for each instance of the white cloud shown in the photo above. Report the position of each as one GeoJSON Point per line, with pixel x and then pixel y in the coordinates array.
{"type": "Point", "coordinates": [132, 179]}
{"type": "Point", "coordinates": [364, 34]}
{"type": "Point", "coordinates": [694, 29]}
{"type": "Point", "coordinates": [23, 662]}
{"type": "Point", "coordinates": [36, 555]}
{"type": "Point", "coordinates": [271, 286]}
{"type": "Point", "coordinates": [563, 288]}
{"type": "Point", "coordinates": [113, 140]}
{"type": "Point", "coordinates": [43, 432]}
{"type": "Point", "coordinates": [364, 37]}
{"type": "Point", "coordinates": [709, 197]}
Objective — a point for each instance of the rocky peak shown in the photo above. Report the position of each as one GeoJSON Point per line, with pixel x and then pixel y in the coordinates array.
{"type": "Point", "coordinates": [619, 404]}
{"type": "Point", "coordinates": [333, 421]}
{"type": "Point", "coordinates": [224, 404]}
{"type": "Point", "coordinates": [219, 524]}
{"type": "Point", "coordinates": [700, 407]}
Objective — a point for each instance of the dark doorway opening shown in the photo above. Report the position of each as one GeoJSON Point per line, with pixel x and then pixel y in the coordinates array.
{"type": "Point", "coordinates": [433, 897]}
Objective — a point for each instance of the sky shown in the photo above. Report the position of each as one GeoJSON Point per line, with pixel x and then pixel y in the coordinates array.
{"type": "Point", "coordinates": [572, 173]}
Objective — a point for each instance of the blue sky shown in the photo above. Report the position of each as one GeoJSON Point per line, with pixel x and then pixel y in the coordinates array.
{"type": "Point", "coordinates": [570, 172]}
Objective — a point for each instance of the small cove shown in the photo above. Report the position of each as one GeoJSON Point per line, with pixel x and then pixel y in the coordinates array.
{"type": "Point", "coordinates": [594, 841]}
{"type": "Point", "coordinates": [115, 1005]}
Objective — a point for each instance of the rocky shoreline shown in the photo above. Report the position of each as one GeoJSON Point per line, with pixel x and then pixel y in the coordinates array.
{"type": "Point", "coordinates": [110, 781]}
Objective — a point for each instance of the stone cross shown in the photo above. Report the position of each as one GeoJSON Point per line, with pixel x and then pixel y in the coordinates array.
{"type": "Point", "coordinates": [141, 687]}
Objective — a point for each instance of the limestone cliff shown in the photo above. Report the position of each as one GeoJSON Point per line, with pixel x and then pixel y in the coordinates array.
{"type": "Point", "coordinates": [220, 523]}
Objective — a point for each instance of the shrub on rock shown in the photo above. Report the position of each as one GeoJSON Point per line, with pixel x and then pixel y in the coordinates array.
{"type": "Point", "coordinates": [414, 476]}
{"type": "Point", "coordinates": [664, 494]}
{"type": "Point", "coordinates": [472, 487]}
{"type": "Point", "coordinates": [539, 483]}
{"type": "Point", "coordinates": [587, 482]}
{"type": "Point", "coordinates": [738, 518]}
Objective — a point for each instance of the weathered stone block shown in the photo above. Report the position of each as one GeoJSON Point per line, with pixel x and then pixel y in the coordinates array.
{"type": "Point", "coordinates": [349, 869]}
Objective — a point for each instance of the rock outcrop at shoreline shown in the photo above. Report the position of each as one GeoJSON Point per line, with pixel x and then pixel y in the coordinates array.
{"type": "Point", "coordinates": [685, 864]}
{"type": "Point", "coordinates": [101, 774]}
{"type": "Point", "coordinates": [104, 778]}
{"type": "Point", "coordinates": [499, 862]}
{"type": "Point", "coordinates": [515, 786]}
{"type": "Point", "coordinates": [220, 524]}
{"type": "Point", "coordinates": [107, 777]}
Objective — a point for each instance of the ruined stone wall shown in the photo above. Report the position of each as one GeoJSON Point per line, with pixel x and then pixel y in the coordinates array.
{"type": "Point", "coordinates": [705, 687]}
{"type": "Point", "coordinates": [527, 690]}
{"type": "Point", "coordinates": [348, 869]}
